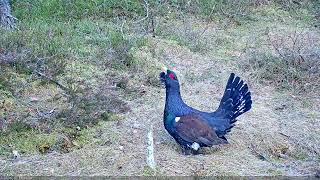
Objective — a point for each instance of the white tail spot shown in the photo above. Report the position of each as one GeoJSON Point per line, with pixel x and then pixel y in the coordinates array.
{"type": "Point", "coordinates": [177, 119]}
{"type": "Point", "coordinates": [195, 146]}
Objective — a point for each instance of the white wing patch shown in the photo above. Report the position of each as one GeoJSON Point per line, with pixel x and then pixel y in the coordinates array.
{"type": "Point", "coordinates": [195, 146]}
{"type": "Point", "coordinates": [177, 119]}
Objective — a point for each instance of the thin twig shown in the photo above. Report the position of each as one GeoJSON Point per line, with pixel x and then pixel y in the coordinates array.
{"type": "Point", "coordinates": [121, 28]}
{"type": "Point", "coordinates": [275, 47]}
{"type": "Point", "coordinates": [146, 7]}
{"type": "Point", "coordinates": [284, 135]}
{"type": "Point", "coordinates": [53, 81]}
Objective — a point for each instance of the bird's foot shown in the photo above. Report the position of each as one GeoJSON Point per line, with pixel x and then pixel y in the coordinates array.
{"type": "Point", "coordinates": [195, 152]}
{"type": "Point", "coordinates": [186, 151]}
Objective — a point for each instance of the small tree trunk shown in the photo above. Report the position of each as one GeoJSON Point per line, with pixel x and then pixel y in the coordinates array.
{"type": "Point", "coordinates": [150, 149]}
{"type": "Point", "coordinates": [6, 19]}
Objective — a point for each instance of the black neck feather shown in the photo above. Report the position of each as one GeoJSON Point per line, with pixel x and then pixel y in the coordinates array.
{"type": "Point", "coordinates": [174, 102]}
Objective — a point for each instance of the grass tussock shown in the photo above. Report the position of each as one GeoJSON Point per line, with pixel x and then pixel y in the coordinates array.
{"type": "Point", "coordinates": [289, 60]}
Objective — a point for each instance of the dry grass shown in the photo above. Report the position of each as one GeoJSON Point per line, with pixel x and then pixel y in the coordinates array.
{"type": "Point", "coordinates": [268, 140]}
{"type": "Point", "coordinates": [279, 136]}
{"type": "Point", "coordinates": [288, 59]}
{"type": "Point", "coordinates": [258, 133]}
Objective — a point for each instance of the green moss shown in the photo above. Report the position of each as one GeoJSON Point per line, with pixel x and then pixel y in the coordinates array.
{"type": "Point", "coordinates": [147, 171]}
{"type": "Point", "coordinates": [275, 172]}
{"type": "Point", "coordinates": [192, 77]}
{"type": "Point", "coordinates": [87, 73]}
{"type": "Point", "coordinates": [29, 141]}
{"type": "Point", "coordinates": [7, 104]}
{"type": "Point", "coordinates": [313, 117]}
{"type": "Point", "coordinates": [86, 137]}
{"type": "Point", "coordinates": [273, 13]}
{"type": "Point", "coordinates": [24, 140]}
{"type": "Point", "coordinates": [64, 10]}
{"type": "Point", "coordinates": [109, 116]}
{"type": "Point", "coordinates": [306, 103]}
{"type": "Point", "coordinates": [300, 155]}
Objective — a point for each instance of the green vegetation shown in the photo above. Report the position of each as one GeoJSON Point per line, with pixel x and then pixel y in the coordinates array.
{"type": "Point", "coordinates": [26, 140]}
{"type": "Point", "coordinates": [63, 55]}
{"type": "Point", "coordinates": [282, 48]}
{"type": "Point", "coordinates": [147, 171]}
{"type": "Point", "coordinates": [301, 156]}
{"type": "Point", "coordinates": [31, 141]}
{"type": "Point", "coordinates": [73, 64]}
{"type": "Point", "coordinates": [74, 10]}
{"type": "Point", "coordinates": [275, 172]}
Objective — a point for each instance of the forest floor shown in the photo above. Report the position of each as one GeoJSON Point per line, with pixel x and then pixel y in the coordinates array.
{"type": "Point", "coordinates": [275, 138]}
{"type": "Point", "coordinates": [279, 136]}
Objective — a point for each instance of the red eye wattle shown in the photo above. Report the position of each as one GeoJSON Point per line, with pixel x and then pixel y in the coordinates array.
{"type": "Point", "coordinates": [171, 76]}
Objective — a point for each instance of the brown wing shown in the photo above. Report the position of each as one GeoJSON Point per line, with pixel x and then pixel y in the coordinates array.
{"type": "Point", "coordinates": [193, 128]}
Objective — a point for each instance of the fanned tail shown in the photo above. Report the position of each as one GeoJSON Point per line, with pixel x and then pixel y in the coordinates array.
{"type": "Point", "coordinates": [236, 100]}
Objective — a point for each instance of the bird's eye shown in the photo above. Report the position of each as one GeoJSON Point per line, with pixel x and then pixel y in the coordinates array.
{"type": "Point", "coordinates": [172, 76]}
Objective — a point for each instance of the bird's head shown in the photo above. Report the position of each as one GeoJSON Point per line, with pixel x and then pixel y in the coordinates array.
{"type": "Point", "coordinates": [169, 78]}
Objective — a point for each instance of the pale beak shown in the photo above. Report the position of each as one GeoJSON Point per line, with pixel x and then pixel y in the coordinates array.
{"type": "Point", "coordinates": [164, 69]}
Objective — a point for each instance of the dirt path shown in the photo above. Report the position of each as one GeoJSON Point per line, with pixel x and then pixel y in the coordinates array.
{"type": "Point", "coordinates": [266, 140]}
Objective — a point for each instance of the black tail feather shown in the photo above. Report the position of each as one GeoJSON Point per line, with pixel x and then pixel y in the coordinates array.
{"type": "Point", "coordinates": [236, 99]}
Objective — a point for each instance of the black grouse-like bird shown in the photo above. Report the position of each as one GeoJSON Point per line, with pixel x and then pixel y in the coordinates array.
{"type": "Point", "coordinates": [192, 128]}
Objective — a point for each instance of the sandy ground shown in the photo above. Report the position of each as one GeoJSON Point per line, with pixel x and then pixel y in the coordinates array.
{"type": "Point", "coordinates": [277, 137]}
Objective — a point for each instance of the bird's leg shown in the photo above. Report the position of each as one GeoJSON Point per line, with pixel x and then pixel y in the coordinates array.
{"type": "Point", "coordinates": [186, 150]}
{"type": "Point", "coordinates": [195, 148]}
{"type": "Point", "coordinates": [195, 152]}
